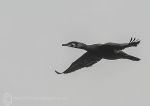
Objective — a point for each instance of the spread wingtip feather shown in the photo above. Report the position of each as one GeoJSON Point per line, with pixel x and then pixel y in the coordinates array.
{"type": "Point", "coordinates": [58, 72]}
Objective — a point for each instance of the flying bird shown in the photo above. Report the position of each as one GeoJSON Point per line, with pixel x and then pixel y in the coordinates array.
{"type": "Point", "coordinates": [96, 52]}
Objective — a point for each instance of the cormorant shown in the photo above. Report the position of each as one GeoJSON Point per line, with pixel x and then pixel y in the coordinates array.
{"type": "Point", "coordinates": [96, 52]}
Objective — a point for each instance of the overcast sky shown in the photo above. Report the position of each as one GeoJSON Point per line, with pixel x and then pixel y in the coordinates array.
{"type": "Point", "coordinates": [31, 34]}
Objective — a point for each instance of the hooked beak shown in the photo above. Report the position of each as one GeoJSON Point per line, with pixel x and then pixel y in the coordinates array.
{"type": "Point", "coordinates": [64, 44]}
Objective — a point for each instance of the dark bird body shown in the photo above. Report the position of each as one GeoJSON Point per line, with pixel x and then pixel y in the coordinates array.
{"type": "Point", "coordinates": [96, 52]}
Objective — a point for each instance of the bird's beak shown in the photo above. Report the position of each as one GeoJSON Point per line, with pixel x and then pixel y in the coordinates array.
{"type": "Point", "coordinates": [64, 44]}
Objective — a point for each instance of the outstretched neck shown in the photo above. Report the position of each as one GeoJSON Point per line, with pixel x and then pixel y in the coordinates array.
{"type": "Point", "coordinates": [84, 47]}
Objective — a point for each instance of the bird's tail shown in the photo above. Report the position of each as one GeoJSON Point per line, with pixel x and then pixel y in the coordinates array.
{"type": "Point", "coordinates": [58, 72]}
{"type": "Point", "coordinates": [127, 56]}
{"type": "Point", "coordinates": [132, 58]}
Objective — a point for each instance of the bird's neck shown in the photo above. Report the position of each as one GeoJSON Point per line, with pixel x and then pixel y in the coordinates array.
{"type": "Point", "coordinates": [84, 47]}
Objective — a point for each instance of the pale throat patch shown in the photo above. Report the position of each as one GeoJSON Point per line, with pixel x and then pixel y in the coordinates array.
{"type": "Point", "coordinates": [79, 45]}
{"type": "Point", "coordinates": [74, 45]}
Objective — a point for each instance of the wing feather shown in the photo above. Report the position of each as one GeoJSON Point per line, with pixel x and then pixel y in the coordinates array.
{"type": "Point", "coordinates": [86, 60]}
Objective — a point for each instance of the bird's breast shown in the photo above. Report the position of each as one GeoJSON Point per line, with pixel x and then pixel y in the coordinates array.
{"type": "Point", "coordinates": [110, 54]}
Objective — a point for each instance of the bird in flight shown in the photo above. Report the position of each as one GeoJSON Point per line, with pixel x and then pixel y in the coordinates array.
{"type": "Point", "coordinates": [96, 52]}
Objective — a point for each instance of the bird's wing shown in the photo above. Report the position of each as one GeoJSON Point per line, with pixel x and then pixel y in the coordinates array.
{"type": "Point", "coordinates": [120, 46]}
{"type": "Point", "coordinates": [86, 60]}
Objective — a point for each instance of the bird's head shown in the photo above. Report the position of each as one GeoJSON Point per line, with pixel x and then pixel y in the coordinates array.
{"type": "Point", "coordinates": [75, 45]}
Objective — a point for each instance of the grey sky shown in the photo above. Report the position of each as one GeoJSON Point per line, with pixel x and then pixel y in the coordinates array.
{"type": "Point", "coordinates": [31, 34]}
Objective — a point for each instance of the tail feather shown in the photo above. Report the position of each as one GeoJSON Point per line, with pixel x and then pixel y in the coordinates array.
{"type": "Point", "coordinates": [58, 72]}
{"type": "Point", "coordinates": [133, 58]}
{"type": "Point", "coordinates": [127, 56]}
